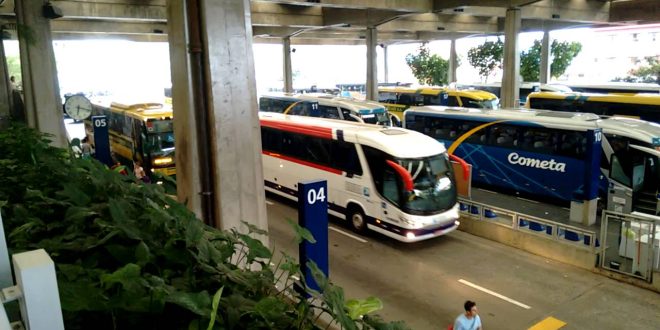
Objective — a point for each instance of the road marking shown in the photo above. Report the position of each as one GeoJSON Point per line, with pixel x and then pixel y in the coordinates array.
{"type": "Point", "coordinates": [347, 234]}
{"type": "Point", "coordinates": [505, 298]}
{"type": "Point", "coordinates": [550, 323]}
{"type": "Point", "coordinates": [566, 208]}
{"type": "Point", "coordinates": [269, 202]}
{"type": "Point", "coordinates": [488, 191]}
{"type": "Point", "coordinates": [527, 200]}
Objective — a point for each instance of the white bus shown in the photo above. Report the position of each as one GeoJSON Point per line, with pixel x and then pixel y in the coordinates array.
{"type": "Point", "coordinates": [393, 181]}
{"type": "Point", "coordinates": [326, 106]}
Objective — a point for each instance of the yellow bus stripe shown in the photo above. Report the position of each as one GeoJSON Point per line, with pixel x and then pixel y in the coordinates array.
{"type": "Point", "coordinates": [286, 111]}
{"type": "Point", "coordinates": [550, 323]}
{"type": "Point", "coordinates": [469, 133]}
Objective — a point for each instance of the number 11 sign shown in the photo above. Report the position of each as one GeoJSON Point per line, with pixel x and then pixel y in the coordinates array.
{"type": "Point", "coordinates": [313, 215]}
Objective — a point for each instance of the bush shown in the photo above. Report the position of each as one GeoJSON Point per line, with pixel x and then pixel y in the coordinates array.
{"type": "Point", "coordinates": [129, 257]}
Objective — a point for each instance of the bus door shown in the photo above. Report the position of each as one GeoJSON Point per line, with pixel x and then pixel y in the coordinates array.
{"type": "Point", "coordinates": [633, 179]}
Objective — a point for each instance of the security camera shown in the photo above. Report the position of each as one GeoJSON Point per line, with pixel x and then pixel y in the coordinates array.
{"type": "Point", "coordinates": [51, 12]}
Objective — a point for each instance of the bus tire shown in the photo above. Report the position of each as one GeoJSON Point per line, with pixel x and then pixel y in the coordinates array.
{"type": "Point", "coordinates": [356, 218]}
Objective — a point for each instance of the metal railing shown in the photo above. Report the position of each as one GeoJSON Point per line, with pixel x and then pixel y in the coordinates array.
{"type": "Point", "coordinates": [561, 232]}
{"type": "Point", "coordinates": [631, 244]}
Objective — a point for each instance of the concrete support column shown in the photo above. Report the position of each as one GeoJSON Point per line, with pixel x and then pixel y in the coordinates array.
{"type": "Point", "coordinates": [225, 80]}
{"type": "Point", "coordinates": [188, 185]}
{"type": "Point", "coordinates": [385, 66]}
{"type": "Point", "coordinates": [453, 62]}
{"type": "Point", "coordinates": [372, 68]}
{"type": "Point", "coordinates": [544, 75]}
{"type": "Point", "coordinates": [40, 86]}
{"type": "Point", "coordinates": [5, 86]}
{"type": "Point", "coordinates": [510, 93]}
{"type": "Point", "coordinates": [288, 75]}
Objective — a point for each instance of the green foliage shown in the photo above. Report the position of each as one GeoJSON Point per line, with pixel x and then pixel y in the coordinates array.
{"type": "Point", "coordinates": [647, 72]}
{"type": "Point", "coordinates": [487, 57]}
{"type": "Point", "coordinates": [129, 257]}
{"type": "Point", "coordinates": [562, 54]}
{"type": "Point", "coordinates": [14, 67]}
{"type": "Point", "coordinates": [428, 69]}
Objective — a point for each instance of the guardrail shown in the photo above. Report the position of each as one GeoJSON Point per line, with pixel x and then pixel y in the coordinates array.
{"type": "Point", "coordinates": [561, 232]}
{"type": "Point", "coordinates": [35, 290]}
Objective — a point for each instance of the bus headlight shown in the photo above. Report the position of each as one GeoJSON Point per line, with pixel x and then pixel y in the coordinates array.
{"type": "Point", "coordinates": [163, 161]}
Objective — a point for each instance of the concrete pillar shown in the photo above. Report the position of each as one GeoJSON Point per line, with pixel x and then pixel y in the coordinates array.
{"type": "Point", "coordinates": [288, 75]}
{"type": "Point", "coordinates": [544, 75]}
{"type": "Point", "coordinates": [510, 93]}
{"type": "Point", "coordinates": [453, 62]}
{"type": "Point", "coordinates": [372, 69]}
{"type": "Point", "coordinates": [40, 86]}
{"type": "Point", "coordinates": [235, 133]}
{"type": "Point", "coordinates": [188, 185]}
{"type": "Point", "coordinates": [385, 66]}
{"type": "Point", "coordinates": [5, 86]}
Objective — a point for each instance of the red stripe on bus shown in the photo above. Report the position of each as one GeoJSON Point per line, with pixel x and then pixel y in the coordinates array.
{"type": "Point", "coordinates": [303, 162]}
{"type": "Point", "coordinates": [316, 131]}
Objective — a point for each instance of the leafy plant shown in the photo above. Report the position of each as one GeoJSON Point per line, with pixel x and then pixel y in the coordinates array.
{"type": "Point", "coordinates": [562, 53]}
{"type": "Point", "coordinates": [427, 68]}
{"type": "Point", "coordinates": [129, 257]}
{"type": "Point", "coordinates": [487, 57]}
{"type": "Point", "coordinates": [648, 71]}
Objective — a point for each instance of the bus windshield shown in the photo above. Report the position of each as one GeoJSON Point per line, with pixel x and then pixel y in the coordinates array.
{"type": "Point", "coordinates": [379, 118]}
{"type": "Point", "coordinates": [484, 104]}
{"type": "Point", "coordinates": [433, 184]}
{"type": "Point", "coordinates": [160, 143]}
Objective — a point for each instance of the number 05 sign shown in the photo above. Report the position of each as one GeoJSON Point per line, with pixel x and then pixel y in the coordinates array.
{"type": "Point", "coordinates": [313, 215]}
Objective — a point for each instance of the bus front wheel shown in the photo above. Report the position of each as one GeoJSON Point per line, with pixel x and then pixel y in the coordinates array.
{"type": "Point", "coordinates": [357, 219]}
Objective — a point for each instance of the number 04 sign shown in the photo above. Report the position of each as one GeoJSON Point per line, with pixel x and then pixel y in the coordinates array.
{"type": "Point", "coordinates": [313, 215]}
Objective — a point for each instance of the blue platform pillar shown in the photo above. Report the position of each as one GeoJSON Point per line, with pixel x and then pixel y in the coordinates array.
{"type": "Point", "coordinates": [313, 215]}
{"type": "Point", "coordinates": [101, 140]}
{"type": "Point", "coordinates": [584, 207]}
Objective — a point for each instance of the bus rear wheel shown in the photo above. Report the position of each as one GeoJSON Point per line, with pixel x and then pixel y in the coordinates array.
{"type": "Point", "coordinates": [357, 219]}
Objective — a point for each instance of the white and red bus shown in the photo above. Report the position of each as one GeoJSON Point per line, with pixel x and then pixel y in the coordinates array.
{"type": "Point", "coordinates": [394, 181]}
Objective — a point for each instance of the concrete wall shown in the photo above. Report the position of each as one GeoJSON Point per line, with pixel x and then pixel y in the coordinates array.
{"type": "Point", "coordinates": [551, 249]}
{"type": "Point", "coordinates": [545, 247]}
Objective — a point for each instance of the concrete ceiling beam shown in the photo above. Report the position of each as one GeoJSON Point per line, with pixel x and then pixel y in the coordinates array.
{"type": "Point", "coordinates": [642, 11]}
{"type": "Point", "coordinates": [414, 6]}
{"type": "Point", "coordinates": [78, 26]}
{"type": "Point", "coordinates": [440, 22]}
{"type": "Point", "coordinates": [594, 11]}
{"type": "Point", "coordinates": [361, 18]}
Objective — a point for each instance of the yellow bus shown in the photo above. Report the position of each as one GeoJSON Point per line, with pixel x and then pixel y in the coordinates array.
{"type": "Point", "coordinates": [641, 106]}
{"type": "Point", "coordinates": [398, 99]}
{"type": "Point", "coordinates": [138, 132]}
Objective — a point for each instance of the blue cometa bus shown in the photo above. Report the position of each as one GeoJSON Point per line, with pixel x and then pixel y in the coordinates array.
{"type": "Point", "coordinates": [548, 154]}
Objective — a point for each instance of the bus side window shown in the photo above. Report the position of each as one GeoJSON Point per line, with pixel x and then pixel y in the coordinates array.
{"type": "Point", "coordinates": [618, 171]}
{"type": "Point", "coordinates": [271, 140]}
{"type": "Point", "coordinates": [328, 112]}
{"type": "Point", "coordinates": [391, 186]}
{"type": "Point", "coordinates": [346, 158]}
{"type": "Point", "coordinates": [348, 116]}
{"type": "Point", "coordinates": [405, 99]}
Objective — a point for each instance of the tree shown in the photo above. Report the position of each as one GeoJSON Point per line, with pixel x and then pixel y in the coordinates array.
{"type": "Point", "coordinates": [14, 67]}
{"type": "Point", "coordinates": [562, 54]}
{"type": "Point", "coordinates": [428, 69]}
{"type": "Point", "coordinates": [487, 57]}
{"type": "Point", "coordinates": [646, 73]}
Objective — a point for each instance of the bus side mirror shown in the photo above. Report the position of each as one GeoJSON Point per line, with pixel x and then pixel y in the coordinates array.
{"type": "Point", "coordinates": [404, 174]}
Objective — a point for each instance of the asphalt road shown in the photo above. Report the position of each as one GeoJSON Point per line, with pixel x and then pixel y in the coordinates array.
{"type": "Point", "coordinates": [426, 283]}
